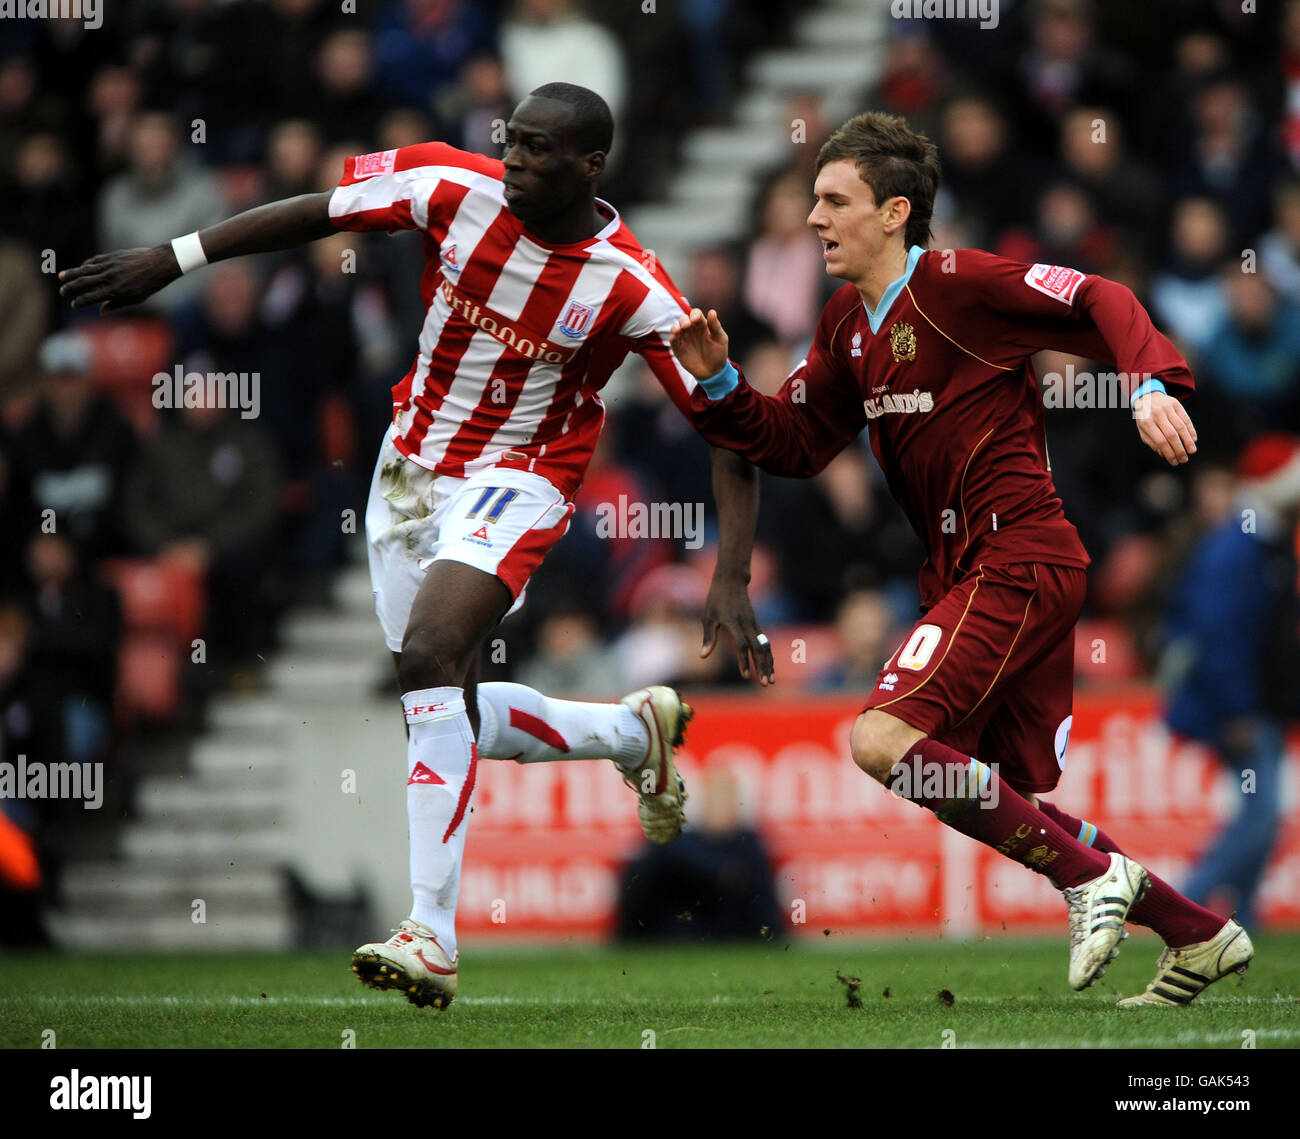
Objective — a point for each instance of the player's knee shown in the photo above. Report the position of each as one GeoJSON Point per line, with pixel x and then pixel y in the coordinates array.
{"type": "Point", "coordinates": [879, 741]}
{"type": "Point", "coordinates": [433, 658]}
{"type": "Point", "coordinates": [871, 748]}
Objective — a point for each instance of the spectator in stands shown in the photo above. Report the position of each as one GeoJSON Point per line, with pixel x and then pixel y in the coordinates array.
{"type": "Point", "coordinates": [25, 303]}
{"type": "Point", "coordinates": [1250, 363]}
{"type": "Point", "coordinates": [1066, 231]}
{"type": "Point", "coordinates": [1227, 155]}
{"type": "Point", "coordinates": [1279, 251]}
{"type": "Point", "coordinates": [662, 645]}
{"type": "Point", "coordinates": [42, 204]}
{"type": "Point", "coordinates": [1094, 155]}
{"type": "Point", "coordinates": [713, 280]}
{"type": "Point", "coordinates": [345, 105]}
{"type": "Point", "coordinates": [74, 450]}
{"type": "Point", "coordinates": [161, 195]}
{"type": "Point", "coordinates": [785, 276]}
{"type": "Point", "coordinates": [478, 109]}
{"type": "Point", "coordinates": [913, 83]}
{"type": "Point", "coordinates": [76, 629]}
{"type": "Point", "coordinates": [865, 622]}
{"type": "Point", "coordinates": [713, 883]}
{"type": "Point", "coordinates": [571, 658]}
{"type": "Point", "coordinates": [421, 44]}
{"type": "Point", "coordinates": [827, 526]}
{"type": "Point", "coordinates": [204, 491]}
{"type": "Point", "coordinates": [293, 153]}
{"type": "Point", "coordinates": [1063, 66]}
{"type": "Point", "coordinates": [982, 169]}
{"type": "Point", "coordinates": [1234, 626]}
{"type": "Point", "coordinates": [1187, 294]}
{"type": "Point", "coordinates": [545, 38]}
{"type": "Point", "coordinates": [114, 101]}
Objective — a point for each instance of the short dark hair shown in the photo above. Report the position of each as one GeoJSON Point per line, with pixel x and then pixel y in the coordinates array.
{"type": "Point", "coordinates": [894, 160]}
{"type": "Point", "coordinates": [593, 124]}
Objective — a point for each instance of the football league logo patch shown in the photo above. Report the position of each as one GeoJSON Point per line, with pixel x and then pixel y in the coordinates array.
{"type": "Point", "coordinates": [1056, 281]}
{"type": "Point", "coordinates": [368, 165]}
{"type": "Point", "coordinates": [576, 318]}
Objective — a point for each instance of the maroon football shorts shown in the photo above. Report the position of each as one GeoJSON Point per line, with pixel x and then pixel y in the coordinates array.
{"type": "Point", "coordinates": [989, 670]}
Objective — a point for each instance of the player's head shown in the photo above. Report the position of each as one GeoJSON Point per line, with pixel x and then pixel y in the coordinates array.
{"type": "Point", "coordinates": [876, 181]}
{"type": "Point", "coordinates": [556, 142]}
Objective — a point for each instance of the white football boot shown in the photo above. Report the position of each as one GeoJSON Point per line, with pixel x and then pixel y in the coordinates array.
{"type": "Point", "coordinates": [411, 961]}
{"type": "Point", "coordinates": [1097, 912]}
{"type": "Point", "coordinates": [1182, 973]}
{"type": "Point", "coordinates": [660, 788]}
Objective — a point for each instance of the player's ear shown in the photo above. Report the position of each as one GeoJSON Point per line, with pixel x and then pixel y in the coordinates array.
{"type": "Point", "coordinates": [593, 165]}
{"type": "Point", "coordinates": [897, 212]}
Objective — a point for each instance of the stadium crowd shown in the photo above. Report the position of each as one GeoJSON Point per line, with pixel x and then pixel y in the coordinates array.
{"type": "Point", "coordinates": [1160, 148]}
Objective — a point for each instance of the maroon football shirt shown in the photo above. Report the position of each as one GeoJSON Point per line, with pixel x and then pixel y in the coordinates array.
{"type": "Point", "coordinates": [955, 414]}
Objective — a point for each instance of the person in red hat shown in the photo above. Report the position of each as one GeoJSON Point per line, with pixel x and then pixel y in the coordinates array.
{"type": "Point", "coordinates": [1234, 625]}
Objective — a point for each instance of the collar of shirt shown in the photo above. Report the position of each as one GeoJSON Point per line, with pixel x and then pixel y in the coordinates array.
{"type": "Point", "coordinates": [875, 319]}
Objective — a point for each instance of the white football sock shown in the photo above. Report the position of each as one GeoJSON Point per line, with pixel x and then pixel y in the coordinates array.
{"type": "Point", "coordinates": [440, 761]}
{"type": "Point", "coordinates": [517, 722]}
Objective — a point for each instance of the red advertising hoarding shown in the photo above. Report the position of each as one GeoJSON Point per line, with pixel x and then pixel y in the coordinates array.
{"type": "Point", "coordinates": [547, 840]}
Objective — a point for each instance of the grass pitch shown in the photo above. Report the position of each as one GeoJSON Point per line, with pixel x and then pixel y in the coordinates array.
{"type": "Point", "coordinates": [989, 994]}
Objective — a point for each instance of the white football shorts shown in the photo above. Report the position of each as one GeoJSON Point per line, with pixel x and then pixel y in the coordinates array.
{"type": "Point", "coordinates": [499, 520]}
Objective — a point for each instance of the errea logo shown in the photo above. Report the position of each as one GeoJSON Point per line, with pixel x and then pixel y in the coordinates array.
{"type": "Point", "coordinates": [888, 682]}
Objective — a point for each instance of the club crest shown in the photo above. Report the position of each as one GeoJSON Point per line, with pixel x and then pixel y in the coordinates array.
{"type": "Point", "coordinates": [902, 340]}
{"type": "Point", "coordinates": [576, 318]}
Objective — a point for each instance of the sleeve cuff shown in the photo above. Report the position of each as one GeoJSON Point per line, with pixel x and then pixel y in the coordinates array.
{"type": "Point", "coordinates": [722, 384]}
{"type": "Point", "coordinates": [1146, 388]}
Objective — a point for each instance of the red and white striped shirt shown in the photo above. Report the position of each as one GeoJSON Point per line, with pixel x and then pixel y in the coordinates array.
{"type": "Point", "coordinates": [519, 335]}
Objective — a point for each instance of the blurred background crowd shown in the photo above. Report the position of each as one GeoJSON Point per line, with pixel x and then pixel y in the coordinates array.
{"type": "Point", "coordinates": [1158, 146]}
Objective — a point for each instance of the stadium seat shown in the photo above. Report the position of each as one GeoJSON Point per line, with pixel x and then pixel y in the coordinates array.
{"type": "Point", "coordinates": [127, 355]}
{"type": "Point", "coordinates": [148, 677]}
{"type": "Point", "coordinates": [1104, 653]}
{"type": "Point", "coordinates": [158, 595]}
{"type": "Point", "coordinates": [802, 653]}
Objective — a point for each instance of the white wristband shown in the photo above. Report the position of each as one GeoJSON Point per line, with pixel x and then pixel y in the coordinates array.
{"type": "Point", "coordinates": [189, 252]}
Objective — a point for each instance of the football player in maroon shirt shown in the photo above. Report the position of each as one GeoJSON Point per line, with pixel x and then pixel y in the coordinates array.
{"type": "Point", "coordinates": [930, 350]}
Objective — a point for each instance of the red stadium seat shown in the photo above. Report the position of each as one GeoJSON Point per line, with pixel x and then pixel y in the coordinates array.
{"type": "Point", "coordinates": [127, 354]}
{"type": "Point", "coordinates": [1104, 653]}
{"type": "Point", "coordinates": [149, 677]}
{"type": "Point", "coordinates": [802, 653]}
{"type": "Point", "coordinates": [158, 595]}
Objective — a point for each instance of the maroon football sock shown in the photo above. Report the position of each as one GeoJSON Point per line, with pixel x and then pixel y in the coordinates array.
{"type": "Point", "coordinates": [1178, 920]}
{"type": "Point", "coordinates": [971, 798]}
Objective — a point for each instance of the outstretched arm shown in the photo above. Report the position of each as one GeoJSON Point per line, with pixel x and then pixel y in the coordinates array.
{"type": "Point", "coordinates": [794, 433]}
{"type": "Point", "coordinates": [129, 276]}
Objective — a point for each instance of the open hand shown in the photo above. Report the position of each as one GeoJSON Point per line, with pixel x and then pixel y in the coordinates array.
{"type": "Point", "coordinates": [728, 607]}
{"type": "Point", "coordinates": [700, 343]}
{"type": "Point", "coordinates": [115, 280]}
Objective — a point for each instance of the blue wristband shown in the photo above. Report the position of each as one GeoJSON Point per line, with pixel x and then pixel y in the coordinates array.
{"type": "Point", "coordinates": [1146, 388]}
{"type": "Point", "coordinates": [717, 386]}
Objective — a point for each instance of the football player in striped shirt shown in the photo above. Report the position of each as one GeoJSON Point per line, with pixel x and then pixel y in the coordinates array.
{"type": "Point", "coordinates": [535, 291]}
{"type": "Point", "coordinates": [930, 350]}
